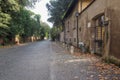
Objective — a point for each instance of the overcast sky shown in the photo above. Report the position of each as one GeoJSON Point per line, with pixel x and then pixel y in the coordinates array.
{"type": "Point", "coordinates": [40, 8]}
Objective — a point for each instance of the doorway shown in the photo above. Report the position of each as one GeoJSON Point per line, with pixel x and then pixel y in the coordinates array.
{"type": "Point", "coordinates": [99, 32]}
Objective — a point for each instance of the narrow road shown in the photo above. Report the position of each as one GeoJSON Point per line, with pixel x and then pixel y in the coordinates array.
{"type": "Point", "coordinates": [27, 62]}
{"type": "Point", "coordinates": [44, 60]}
{"type": "Point", "coordinates": [36, 61]}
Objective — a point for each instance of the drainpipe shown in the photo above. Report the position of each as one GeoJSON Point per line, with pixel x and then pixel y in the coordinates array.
{"type": "Point", "coordinates": [63, 29]}
{"type": "Point", "coordinates": [77, 14]}
{"type": "Point", "coordinates": [63, 24]}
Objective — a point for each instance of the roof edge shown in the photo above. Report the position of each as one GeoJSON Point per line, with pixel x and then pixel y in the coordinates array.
{"type": "Point", "coordinates": [70, 8]}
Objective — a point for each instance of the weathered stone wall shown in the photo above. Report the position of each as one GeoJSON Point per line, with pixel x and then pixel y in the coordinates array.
{"type": "Point", "coordinates": [114, 6]}
{"type": "Point", "coordinates": [111, 9]}
{"type": "Point", "coordinates": [67, 35]}
{"type": "Point", "coordinates": [86, 26]}
{"type": "Point", "coordinates": [70, 26]}
{"type": "Point", "coordinates": [98, 7]}
{"type": "Point", "coordinates": [83, 29]}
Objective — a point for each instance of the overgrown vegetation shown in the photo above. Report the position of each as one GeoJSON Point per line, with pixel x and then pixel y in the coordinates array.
{"type": "Point", "coordinates": [18, 22]}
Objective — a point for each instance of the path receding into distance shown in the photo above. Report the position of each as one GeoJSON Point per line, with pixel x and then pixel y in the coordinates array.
{"type": "Point", "coordinates": [43, 60]}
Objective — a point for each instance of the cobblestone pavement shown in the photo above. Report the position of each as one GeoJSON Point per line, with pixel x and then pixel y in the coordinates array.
{"type": "Point", "coordinates": [47, 60]}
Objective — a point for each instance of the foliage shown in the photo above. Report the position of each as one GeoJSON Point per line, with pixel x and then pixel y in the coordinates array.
{"type": "Point", "coordinates": [28, 3]}
{"type": "Point", "coordinates": [25, 25]}
{"type": "Point", "coordinates": [4, 21]}
{"type": "Point", "coordinates": [57, 9]}
{"type": "Point", "coordinates": [54, 33]}
{"type": "Point", "coordinates": [45, 29]}
{"type": "Point", "coordinates": [15, 19]}
{"type": "Point", "coordinates": [7, 8]}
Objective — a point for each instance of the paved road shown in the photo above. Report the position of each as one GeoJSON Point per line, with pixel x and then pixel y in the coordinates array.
{"type": "Point", "coordinates": [42, 61]}
{"type": "Point", "coordinates": [27, 62]}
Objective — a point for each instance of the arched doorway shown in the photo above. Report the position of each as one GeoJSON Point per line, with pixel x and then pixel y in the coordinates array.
{"type": "Point", "coordinates": [99, 33]}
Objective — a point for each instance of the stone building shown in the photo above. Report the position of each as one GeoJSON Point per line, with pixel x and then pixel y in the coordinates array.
{"type": "Point", "coordinates": [95, 23]}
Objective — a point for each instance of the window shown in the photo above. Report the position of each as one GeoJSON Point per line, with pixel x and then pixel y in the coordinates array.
{"type": "Point", "coordinates": [84, 3]}
{"type": "Point", "coordinates": [80, 29]}
{"type": "Point", "coordinates": [74, 24]}
{"type": "Point", "coordinates": [74, 39]}
{"type": "Point", "coordinates": [70, 39]}
{"type": "Point", "coordinates": [100, 29]}
{"type": "Point", "coordinates": [68, 26]}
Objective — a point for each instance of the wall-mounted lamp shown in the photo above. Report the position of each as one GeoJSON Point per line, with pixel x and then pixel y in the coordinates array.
{"type": "Point", "coordinates": [77, 14]}
{"type": "Point", "coordinates": [106, 21]}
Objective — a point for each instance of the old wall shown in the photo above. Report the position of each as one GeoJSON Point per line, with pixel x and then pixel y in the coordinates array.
{"type": "Point", "coordinates": [68, 35]}
{"type": "Point", "coordinates": [98, 7]}
{"type": "Point", "coordinates": [86, 27]}
{"type": "Point", "coordinates": [70, 25]}
{"type": "Point", "coordinates": [83, 29]}
{"type": "Point", "coordinates": [111, 9]}
{"type": "Point", "coordinates": [114, 6]}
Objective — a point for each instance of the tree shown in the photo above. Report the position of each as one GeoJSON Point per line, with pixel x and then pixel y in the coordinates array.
{"type": "Point", "coordinates": [54, 33]}
{"type": "Point", "coordinates": [4, 19]}
{"type": "Point", "coordinates": [57, 9]}
{"type": "Point", "coordinates": [7, 8]}
{"type": "Point", "coordinates": [25, 25]}
{"type": "Point", "coordinates": [45, 29]}
{"type": "Point", "coordinates": [15, 19]}
{"type": "Point", "coordinates": [28, 3]}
